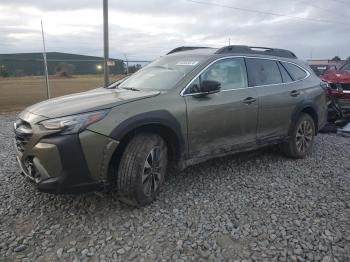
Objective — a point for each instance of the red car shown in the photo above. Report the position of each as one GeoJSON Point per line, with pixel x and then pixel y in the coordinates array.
{"type": "Point", "coordinates": [339, 82]}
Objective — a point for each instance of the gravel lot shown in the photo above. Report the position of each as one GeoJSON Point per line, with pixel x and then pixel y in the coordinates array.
{"type": "Point", "coordinates": [257, 206]}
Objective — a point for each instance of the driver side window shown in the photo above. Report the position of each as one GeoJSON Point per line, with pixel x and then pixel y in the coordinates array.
{"type": "Point", "coordinates": [230, 73]}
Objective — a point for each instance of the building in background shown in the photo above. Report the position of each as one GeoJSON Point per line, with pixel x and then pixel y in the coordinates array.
{"type": "Point", "coordinates": [31, 64]}
{"type": "Point", "coordinates": [319, 66]}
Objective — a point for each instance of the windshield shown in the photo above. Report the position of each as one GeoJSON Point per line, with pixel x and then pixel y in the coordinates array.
{"type": "Point", "coordinates": [164, 73]}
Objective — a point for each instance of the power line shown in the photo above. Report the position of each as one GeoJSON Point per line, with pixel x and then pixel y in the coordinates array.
{"type": "Point", "coordinates": [343, 2]}
{"type": "Point", "coordinates": [268, 13]}
{"type": "Point", "coordinates": [328, 11]}
{"type": "Point", "coordinates": [317, 7]}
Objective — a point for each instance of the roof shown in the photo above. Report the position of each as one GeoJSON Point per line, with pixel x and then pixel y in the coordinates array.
{"type": "Point", "coordinates": [197, 51]}
{"type": "Point", "coordinates": [234, 49]}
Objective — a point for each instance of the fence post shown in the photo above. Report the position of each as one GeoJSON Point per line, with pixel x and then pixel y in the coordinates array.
{"type": "Point", "coordinates": [106, 44]}
{"type": "Point", "coordinates": [45, 64]}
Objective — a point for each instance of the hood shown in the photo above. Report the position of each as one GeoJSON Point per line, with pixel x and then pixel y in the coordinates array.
{"type": "Point", "coordinates": [97, 99]}
{"type": "Point", "coordinates": [337, 76]}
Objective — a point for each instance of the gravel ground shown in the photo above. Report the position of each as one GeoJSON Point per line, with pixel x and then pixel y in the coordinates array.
{"type": "Point", "coordinates": [258, 206]}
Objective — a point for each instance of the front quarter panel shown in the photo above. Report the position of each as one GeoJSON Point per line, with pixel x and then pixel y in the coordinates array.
{"type": "Point", "coordinates": [167, 109]}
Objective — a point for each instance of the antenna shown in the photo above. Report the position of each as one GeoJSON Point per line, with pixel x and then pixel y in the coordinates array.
{"type": "Point", "coordinates": [45, 63]}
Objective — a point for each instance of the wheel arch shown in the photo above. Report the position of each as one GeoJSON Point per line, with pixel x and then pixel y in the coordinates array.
{"type": "Point", "coordinates": [308, 108]}
{"type": "Point", "coordinates": [159, 122]}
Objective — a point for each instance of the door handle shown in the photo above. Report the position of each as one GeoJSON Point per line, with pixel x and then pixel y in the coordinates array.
{"type": "Point", "coordinates": [249, 100]}
{"type": "Point", "coordinates": [294, 93]}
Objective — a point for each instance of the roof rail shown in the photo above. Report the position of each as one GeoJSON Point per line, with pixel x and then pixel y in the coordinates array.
{"type": "Point", "coordinates": [256, 50]}
{"type": "Point", "coordinates": [185, 48]}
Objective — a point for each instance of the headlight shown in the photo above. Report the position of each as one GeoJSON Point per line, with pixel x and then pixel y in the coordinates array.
{"type": "Point", "coordinates": [73, 124]}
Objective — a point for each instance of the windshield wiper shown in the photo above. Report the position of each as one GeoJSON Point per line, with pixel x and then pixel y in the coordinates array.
{"type": "Point", "coordinates": [115, 84]}
{"type": "Point", "coordinates": [130, 88]}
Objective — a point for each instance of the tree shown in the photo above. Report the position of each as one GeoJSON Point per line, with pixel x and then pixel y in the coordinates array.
{"type": "Point", "coordinates": [134, 68]}
{"type": "Point", "coordinates": [336, 58]}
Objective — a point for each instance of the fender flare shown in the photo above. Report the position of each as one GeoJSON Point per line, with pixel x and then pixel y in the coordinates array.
{"type": "Point", "coordinates": [298, 110]}
{"type": "Point", "coordinates": [157, 117]}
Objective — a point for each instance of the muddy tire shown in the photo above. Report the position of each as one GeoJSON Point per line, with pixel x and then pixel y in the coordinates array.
{"type": "Point", "coordinates": [302, 138]}
{"type": "Point", "coordinates": [142, 169]}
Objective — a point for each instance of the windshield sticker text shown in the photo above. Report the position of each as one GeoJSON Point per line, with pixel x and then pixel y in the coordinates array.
{"type": "Point", "coordinates": [187, 63]}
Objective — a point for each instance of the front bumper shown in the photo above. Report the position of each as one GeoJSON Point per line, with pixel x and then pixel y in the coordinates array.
{"type": "Point", "coordinates": [57, 165]}
{"type": "Point", "coordinates": [344, 104]}
{"type": "Point", "coordinates": [64, 163]}
{"type": "Point", "coordinates": [341, 93]}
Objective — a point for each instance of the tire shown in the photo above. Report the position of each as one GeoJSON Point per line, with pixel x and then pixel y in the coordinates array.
{"type": "Point", "coordinates": [302, 138]}
{"type": "Point", "coordinates": [142, 169]}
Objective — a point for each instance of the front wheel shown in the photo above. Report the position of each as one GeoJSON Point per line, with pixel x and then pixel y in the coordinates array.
{"type": "Point", "coordinates": [142, 169]}
{"type": "Point", "coordinates": [302, 138]}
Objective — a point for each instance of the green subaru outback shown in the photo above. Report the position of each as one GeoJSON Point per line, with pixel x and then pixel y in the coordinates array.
{"type": "Point", "coordinates": [190, 105]}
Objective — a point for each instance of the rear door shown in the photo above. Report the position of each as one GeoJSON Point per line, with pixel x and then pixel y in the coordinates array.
{"type": "Point", "coordinates": [278, 96]}
{"type": "Point", "coordinates": [221, 121]}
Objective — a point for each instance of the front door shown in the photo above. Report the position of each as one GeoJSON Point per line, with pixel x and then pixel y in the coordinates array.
{"type": "Point", "coordinates": [224, 120]}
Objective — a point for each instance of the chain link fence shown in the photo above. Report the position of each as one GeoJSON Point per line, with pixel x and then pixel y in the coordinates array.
{"type": "Point", "coordinates": [22, 77]}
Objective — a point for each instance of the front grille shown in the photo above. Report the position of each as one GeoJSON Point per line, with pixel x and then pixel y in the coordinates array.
{"type": "Point", "coordinates": [23, 133]}
{"type": "Point", "coordinates": [345, 87]}
{"type": "Point", "coordinates": [333, 85]}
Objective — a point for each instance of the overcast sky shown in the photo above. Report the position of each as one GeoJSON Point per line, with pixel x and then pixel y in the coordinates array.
{"type": "Point", "coordinates": [149, 28]}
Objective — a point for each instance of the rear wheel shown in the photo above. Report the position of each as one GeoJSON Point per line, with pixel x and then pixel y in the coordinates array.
{"type": "Point", "coordinates": [302, 138]}
{"type": "Point", "coordinates": [142, 169]}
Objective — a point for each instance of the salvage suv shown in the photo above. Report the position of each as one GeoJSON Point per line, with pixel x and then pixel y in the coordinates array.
{"type": "Point", "coordinates": [190, 105]}
{"type": "Point", "coordinates": [339, 83]}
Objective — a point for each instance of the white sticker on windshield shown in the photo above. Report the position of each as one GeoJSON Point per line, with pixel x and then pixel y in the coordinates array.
{"type": "Point", "coordinates": [187, 63]}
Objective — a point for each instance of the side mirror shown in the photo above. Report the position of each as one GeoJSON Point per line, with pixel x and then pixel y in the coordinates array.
{"type": "Point", "coordinates": [210, 87]}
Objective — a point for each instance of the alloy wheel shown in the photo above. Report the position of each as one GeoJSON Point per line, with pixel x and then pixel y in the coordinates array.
{"type": "Point", "coordinates": [151, 172]}
{"type": "Point", "coordinates": [304, 136]}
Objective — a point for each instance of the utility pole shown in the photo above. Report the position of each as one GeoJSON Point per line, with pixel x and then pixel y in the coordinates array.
{"type": "Point", "coordinates": [311, 53]}
{"type": "Point", "coordinates": [105, 41]}
{"type": "Point", "coordinates": [127, 64]}
{"type": "Point", "coordinates": [45, 63]}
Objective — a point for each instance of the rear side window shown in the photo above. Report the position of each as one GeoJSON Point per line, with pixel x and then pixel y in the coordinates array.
{"type": "Point", "coordinates": [263, 72]}
{"type": "Point", "coordinates": [296, 72]}
{"type": "Point", "coordinates": [285, 75]}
